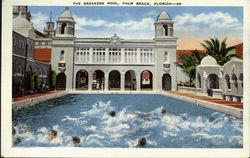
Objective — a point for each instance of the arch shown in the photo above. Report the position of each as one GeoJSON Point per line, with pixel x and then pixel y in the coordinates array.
{"type": "Point", "coordinates": [44, 72]}
{"type": "Point", "coordinates": [130, 80]}
{"type": "Point", "coordinates": [234, 78]}
{"type": "Point", "coordinates": [227, 79]}
{"type": "Point", "coordinates": [19, 69]}
{"type": "Point", "coordinates": [213, 81]}
{"type": "Point", "coordinates": [82, 80]}
{"type": "Point", "coordinates": [114, 80]}
{"type": "Point", "coordinates": [241, 79]}
{"type": "Point", "coordinates": [166, 82]}
{"type": "Point", "coordinates": [29, 71]}
{"type": "Point", "coordinates": [61, 81]}
{"type": "Point", "coordinates": [62, 55]}
{"type": "Point", "coordinates": [63, 28]}
{"type": "Point", "coordinates": [165, 30]}
{"type": "Point", "coordinates": [146, 80]}
{"type": "Point", "coordinates": [199, 80]}
{"type": "Point", "coordinates": [98, 80]}
{"type": "Point", "coordinates": [40, 72]}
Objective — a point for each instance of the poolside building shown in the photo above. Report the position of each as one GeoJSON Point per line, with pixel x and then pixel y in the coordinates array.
{"type": "Point", "coordinates": [25, 62]}
{"type": "Point", "coordinates": [220, 81]}
{"type": "Point", "coordinates": [114, 63]}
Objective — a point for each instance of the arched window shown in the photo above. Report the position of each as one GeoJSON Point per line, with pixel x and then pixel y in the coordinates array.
{"type": "Point", "coordinates": [19, 70]}
{"type": "Point", "coordinates": [166, 57]}
{"type": "Point", "coordinates": [165, 30]}
{"type": "Point", "coordinates": [63, 28]}
{"type": "Point", "coordinates": [234, 78]}
{"type": "Point", "coordinates": [227, 78]}
{"type": "Point", "coordinates": [62, 56]}
{"type": "Point", "coordinates": [241, 79]}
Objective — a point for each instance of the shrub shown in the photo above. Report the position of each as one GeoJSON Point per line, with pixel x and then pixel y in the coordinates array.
{"type": "Point", "coordinates": [32, 82]}
{"type": "Point", "coordinates": [37, 82]}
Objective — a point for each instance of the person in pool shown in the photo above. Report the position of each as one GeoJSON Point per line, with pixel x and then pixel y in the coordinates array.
{"type": "Point", "coordinates": [52, 135]}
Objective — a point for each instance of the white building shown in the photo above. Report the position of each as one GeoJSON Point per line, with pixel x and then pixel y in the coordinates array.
{"type": "Point", "coordinates": [114, 63]}
{"type": "Point", "coordinates": [220, 81]}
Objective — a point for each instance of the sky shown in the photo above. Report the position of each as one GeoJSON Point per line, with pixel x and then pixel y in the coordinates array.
{"type": "Point", "coordinates": [192, 25]}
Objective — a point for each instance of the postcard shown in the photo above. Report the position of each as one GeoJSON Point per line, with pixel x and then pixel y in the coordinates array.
{"type": "Point", "coordinates": [125, 79]}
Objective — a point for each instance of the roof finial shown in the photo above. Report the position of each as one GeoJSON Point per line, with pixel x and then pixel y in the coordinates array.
{"type": "Point", "coordinates": [67, 8]}
{"type": "Point", "coordinates": [20, 12]}
{"type": "Point", "coordinates": [50, 16]}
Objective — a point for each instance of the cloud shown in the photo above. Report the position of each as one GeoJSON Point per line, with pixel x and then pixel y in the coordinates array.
{"type": "Point", "coordinates": [125, 28]}
{"type": "Point", "coordinates": [152, 13]}
{"type": "Point", "coordinates": [217, 20]}
{"type": "Point", "coordinates": [39, 20]}
{"type": "Point", "coordinates": [83, 21]}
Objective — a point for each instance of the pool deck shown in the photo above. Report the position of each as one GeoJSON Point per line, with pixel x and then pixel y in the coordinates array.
{"type": "Point", "coordinates": [229, 107]}
{"type": "Point", "coordinates": [29, 100]}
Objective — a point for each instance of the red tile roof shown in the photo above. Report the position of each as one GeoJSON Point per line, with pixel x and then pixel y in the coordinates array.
{"type": "Point", "coordinates": [239, 50]}
{"type": "Point", "coordinates": [42, 54]}
{"type": "Point", "coordinates": [185, 52]}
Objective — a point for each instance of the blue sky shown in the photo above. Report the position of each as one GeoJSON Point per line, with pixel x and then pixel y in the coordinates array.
{"type": "Point", "coordinates": [192, 24]}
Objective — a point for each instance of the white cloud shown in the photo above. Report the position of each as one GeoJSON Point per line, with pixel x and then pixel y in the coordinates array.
{"type": "Point", "coordinates": [207, 25]}
{"type": "Point", "coordinates": [152, 13]}
{"type": "Point", "coordinates": [221, 20]}
{"type": "Point", "coordinates": [128, 28]}
{"type": "Point", "coordinates": [39, 20]}
{"type": "Point", "coordinates": [83, 21]}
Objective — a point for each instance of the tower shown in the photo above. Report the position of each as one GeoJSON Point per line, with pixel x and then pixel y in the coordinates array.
{"type": "Point", "coordinates": [164, 26]}
{"type": "Point", "coordinates": [49, 28]}
{"type": "Point", "coordinates": [24, 12]}
{"type": "Point", "coordinates": [165, 52]}
{"type": "Point", "coordinates": [65, 24]}
{"type": "Point", "coordinates": [62, 56]}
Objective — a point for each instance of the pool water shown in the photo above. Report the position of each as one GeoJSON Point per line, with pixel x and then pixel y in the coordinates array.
{"type": "Point", "coordinates": [184, 125]}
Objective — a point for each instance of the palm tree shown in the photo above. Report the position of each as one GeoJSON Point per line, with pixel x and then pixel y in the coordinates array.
{"type": "Point", "coordinates": [218, 50]}
{"type": "Point", "coordinates": [189, 63]}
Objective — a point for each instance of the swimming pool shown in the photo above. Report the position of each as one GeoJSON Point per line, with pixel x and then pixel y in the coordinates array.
{"type": "Point", "coordinates": [87, 117]}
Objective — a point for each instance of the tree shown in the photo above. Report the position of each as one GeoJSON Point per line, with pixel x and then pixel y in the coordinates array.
{"type": "Point", "coordinates": [32, 82]}
{"type": "Point", "coordinates": [189, 63]}
{"type": "Point", "coordinates": [218, 50]}
{"type": "Point", "coordinates": [53, 79]}
{"type": "Point", "coordinates": [37, 82]}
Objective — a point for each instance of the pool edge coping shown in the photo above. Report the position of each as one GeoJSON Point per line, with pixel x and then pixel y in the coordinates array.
{"type": "Point", "coordinates": [214, 106]}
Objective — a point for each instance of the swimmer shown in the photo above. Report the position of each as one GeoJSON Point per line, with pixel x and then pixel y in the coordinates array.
{"type": "Point", "coordinates": [52, 135]}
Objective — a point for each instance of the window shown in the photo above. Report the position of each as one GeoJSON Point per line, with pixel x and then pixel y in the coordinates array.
{"type": "Point", "coordinates": [63, 28]}
{"type": "Point", "coordinates": [19, 70]}
{"type": "Point", "coordinates": [166, 57]}
{"type": "Point", "coordinates": [21, 44]}
{"type": "Point", "coordinates": [14, 41]}
{"type": "Point", "coordinates": [62, 56]}
{"type": "Point", "coordinates": [165, 30]}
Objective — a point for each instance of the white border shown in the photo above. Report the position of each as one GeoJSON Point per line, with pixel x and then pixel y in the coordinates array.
{"type": "Point", "coordinates": [6, 69]}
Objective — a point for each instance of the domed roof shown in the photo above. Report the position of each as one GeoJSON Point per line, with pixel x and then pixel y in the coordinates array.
{"type": "Point", "coordinates": [208, 60]}
{"type": "Point", "coordinates": [163, 16]}
{"type": "Point", "coordinates": [21, 22]}
{"type": "Point", "coordinates": [66, 15]}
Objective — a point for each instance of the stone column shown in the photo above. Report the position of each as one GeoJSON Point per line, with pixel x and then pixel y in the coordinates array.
{"type": "Point", "coordinates": [138, 56]}
{"type": "Point", "coordinates": [106, 81]}
{"type": "Point", "coordinates": [204, 82]}
{"type": "Point", "coordinates": [107, 55]}
{"type": "Point", "coordinates": [240, 88]}
{"type": "Point", "coordinates": [122, 55]}
{"type": "Point", "coordinates": [122, 81]}
{"type": "Point", "coordinates": [90, 55]}
{"type": "Point", "coordinates": [138, 81]}
{"type": "Point", "coordinates": [90, 80]}
{"type": "Point", "coordinates": [232, 86]}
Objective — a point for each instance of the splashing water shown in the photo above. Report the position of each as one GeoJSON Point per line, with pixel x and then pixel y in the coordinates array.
{"type": "Point", "coordinates": [184, 125]}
